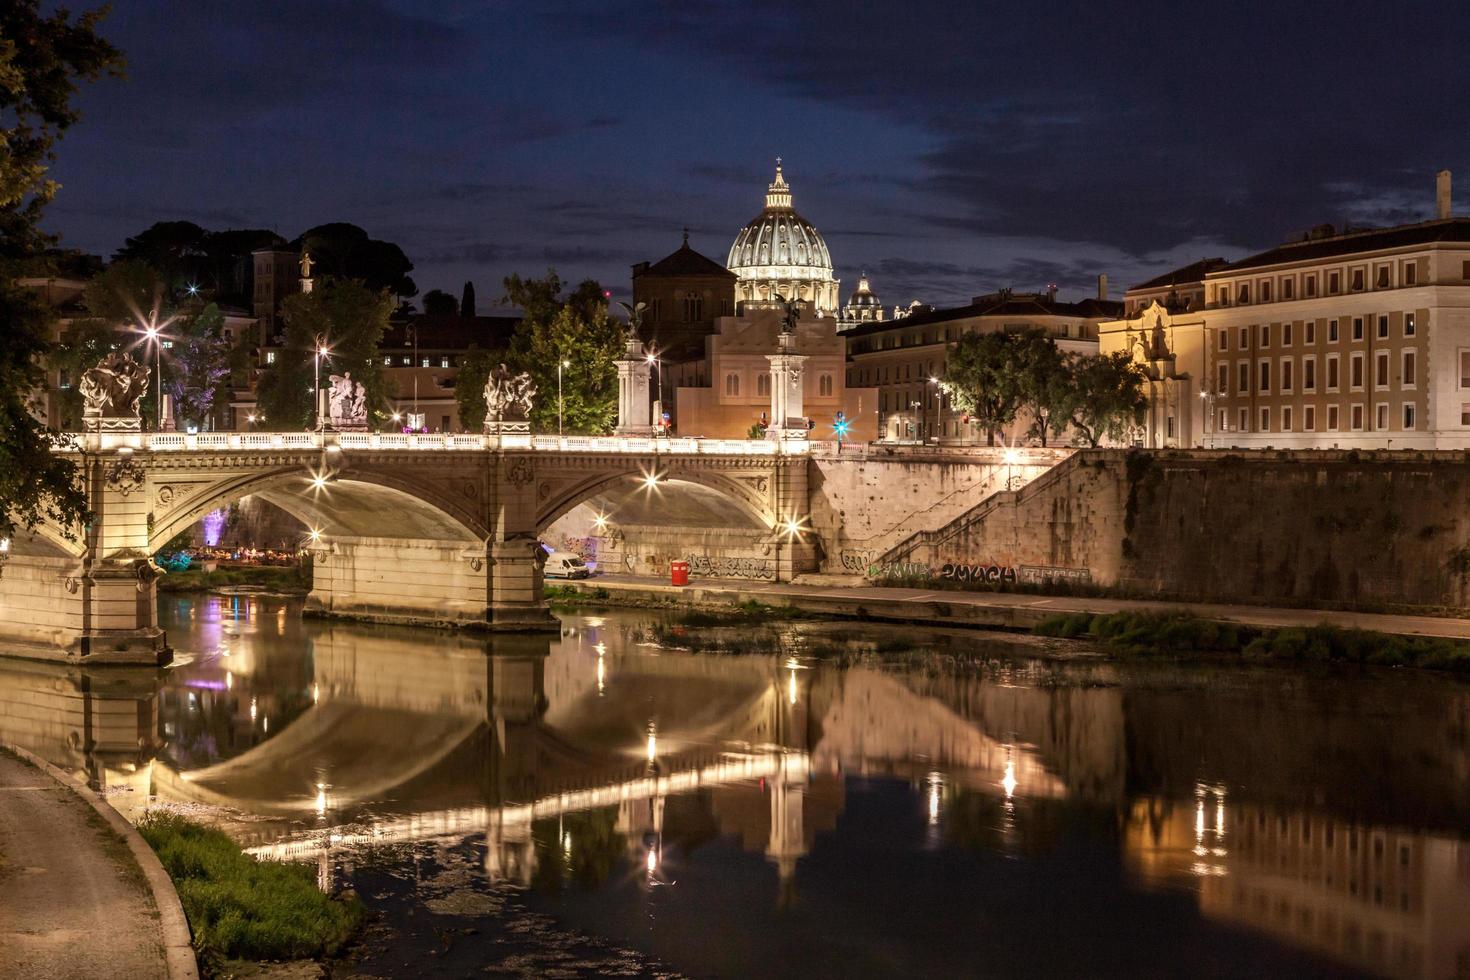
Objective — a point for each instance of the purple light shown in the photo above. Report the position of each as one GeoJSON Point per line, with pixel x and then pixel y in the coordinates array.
{"type": "Point", "coordinates": [205, 685]}
{"type": "Point", "coordinates": [214, 527]}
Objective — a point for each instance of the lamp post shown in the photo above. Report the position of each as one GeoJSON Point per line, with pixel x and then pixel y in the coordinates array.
{"type": "Point", "coordinates": [658, 397]}
{"type": "Point", "coordinates": [152, 334]}
{"type": "Point", "coordinates": [321, 352]}
{"type": "Point", "coordinates": [1207, 402]}
{"type": "Point", "coordinates": [560, 405]}
{"type": "Point", "coordinates": [939, 394]}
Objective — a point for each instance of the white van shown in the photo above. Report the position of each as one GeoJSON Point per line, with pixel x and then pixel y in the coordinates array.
{"type": "Point", "coordinates": [564, 564]}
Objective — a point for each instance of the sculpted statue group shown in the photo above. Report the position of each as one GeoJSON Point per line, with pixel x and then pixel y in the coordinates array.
{"type": "Point", "coordinates": [508, 396]}
{"type": "Point", "coordinates": [347, 402]}
{"type": "Point", "coordinates": [113, 388]}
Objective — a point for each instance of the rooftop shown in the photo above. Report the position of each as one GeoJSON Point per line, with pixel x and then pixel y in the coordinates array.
{"type": "Point", "coordinates": [1353, 242]}
{"type": "Point", "coordinates": [684, 261]}
{"type": "Point", "coordinates": [1194, 272]}
{"type": "Point", "coordinates": [1004, 303]}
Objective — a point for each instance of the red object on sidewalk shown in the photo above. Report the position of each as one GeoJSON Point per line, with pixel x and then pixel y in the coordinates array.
{"type": "Point", "coordinates": [678, 573]}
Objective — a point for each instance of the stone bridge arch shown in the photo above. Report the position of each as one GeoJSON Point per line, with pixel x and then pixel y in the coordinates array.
{"type": "Point", "coordinates": [753, 490]}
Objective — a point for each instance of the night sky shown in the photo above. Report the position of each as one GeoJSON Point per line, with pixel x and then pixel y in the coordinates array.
{"type": "Point", "coordinates": [947, 148]}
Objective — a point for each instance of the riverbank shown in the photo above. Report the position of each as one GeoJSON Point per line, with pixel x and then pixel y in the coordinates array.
{"type": "Point", "coordinates": [80, 897]}
{"type": "Point", "coordinates": [990, 610]}
{"type": "Point", "coordinates": [285, 579]}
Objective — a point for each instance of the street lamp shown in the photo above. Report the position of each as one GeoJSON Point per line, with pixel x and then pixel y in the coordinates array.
{"type": "Point", "coordinates": [560, 405]}
{"type": "Point", "coordinates": [321, 351]}
{"type": "Point", "coordinates": [939, 394]}
{"type": "Point", "coordinates": [658, 398]}
{"type": "Point", "coordinates": [1207, 402]}
{"type": "Point", "coordinates": [152, 334]}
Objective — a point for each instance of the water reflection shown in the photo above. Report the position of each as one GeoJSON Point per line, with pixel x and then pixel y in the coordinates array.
{"type": "Point", "coordinates": [1320, 814]}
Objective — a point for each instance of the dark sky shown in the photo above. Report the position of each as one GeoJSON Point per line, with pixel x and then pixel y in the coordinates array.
{"type": "Point", "coordinates": [949, 148]}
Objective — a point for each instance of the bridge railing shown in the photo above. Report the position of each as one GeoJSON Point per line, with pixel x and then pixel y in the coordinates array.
{"type": "Point", "coordinates": [191, 441]}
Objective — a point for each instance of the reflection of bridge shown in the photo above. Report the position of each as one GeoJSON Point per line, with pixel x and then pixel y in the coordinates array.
{"type": "Point", "coordinates": [430, 528]}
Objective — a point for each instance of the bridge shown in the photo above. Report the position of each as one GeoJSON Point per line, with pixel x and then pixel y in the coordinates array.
{"type": "Point", "coordinates": [445, 529]}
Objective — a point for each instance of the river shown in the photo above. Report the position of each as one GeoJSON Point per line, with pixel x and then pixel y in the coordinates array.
{"type": "Point", "coordinates": [842, 800]}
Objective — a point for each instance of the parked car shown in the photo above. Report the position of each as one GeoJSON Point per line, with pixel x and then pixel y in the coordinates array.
{"type": "Point", "coordinates": [564, 564]}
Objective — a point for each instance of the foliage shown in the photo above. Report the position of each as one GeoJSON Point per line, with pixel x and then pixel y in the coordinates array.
{"type": "Point", "coordinates": [241, 908]}
{"type": "Point", "coordinates": [184, 254]}
{"type": "Point", "coordinates": [983, 378]}
{"type": "Point", "coordinates": [1107, 397]}
{"type": "Point", "coordinates": [582, 847]}
{"type": "Point", "coordinates": [351, 317]}
{"type": "Point", "coordinates": [467, 301]}
{"type": "Point", "coordinates": [439, 303]}
{"type": "Point", "coordinates": [344, 251]}
{"type": "Point", "coordinates": [1045, 384]}
{"type": "Point", "coordinates": [475, 366]}
{"type": "Point", "coordinates": [201, 365]}
{"type": "Point", "coordinates": [277, 578]}
{"type": "Point", "coordinates": [42, 57]}
{"type": "Point", "coordinates": [576, 331]}
{"type": "Point", "coordinates": [173, 249]}
{"type": "Point", "coordinates": [81, 346]}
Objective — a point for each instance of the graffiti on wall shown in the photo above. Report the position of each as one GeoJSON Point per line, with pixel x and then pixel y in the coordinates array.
{"type": "Point", "coordinates": [856, 560]}
{"type": "Point", "coordinates": [981, 574]}
{"type": "Point", "coordinates": [903, 571]}
{"type": "Point", "coordinates": [978, 574]}
{"type": "Point", "coordinates": [1042, 574]}
{"type": "Point", "coordinates": [732, 566]}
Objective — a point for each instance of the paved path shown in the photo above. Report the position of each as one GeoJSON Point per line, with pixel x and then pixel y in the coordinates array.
{"type": "Point", "coordinates": [1021, 610]}
{"type": "Point", "coordinates": [72, 900]}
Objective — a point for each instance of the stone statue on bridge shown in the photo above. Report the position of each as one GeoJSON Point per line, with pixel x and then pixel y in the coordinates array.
{"type": "Point", "coordinates": [113, 388]}
{"type": "Point", "coordinates": [508, 397]}
{"type": "Point", "coordinates": [347, 403]}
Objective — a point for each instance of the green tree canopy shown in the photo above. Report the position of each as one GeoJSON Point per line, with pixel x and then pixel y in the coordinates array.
{"type": "Point", "coordinates": [1045, 384]}
{"type": "Point", "coordinates": [983, 376]}
{"type": "Point", "coordinates": [42, 57]}
{"type": "Point", "coordinates": [351, 318]}
{"type": "Point", "coordinates": [174, 250]}
{"type": "Point", "coordinates": [439, 303]}
{"type": "Point", "coordinates": [475, 366]}
{"type": "Point", "coordinates": [1107, 396]}
{"type": "Point", "coordinates": [574, 330]}
{"type": "Point", "coordinates": [345, 251]}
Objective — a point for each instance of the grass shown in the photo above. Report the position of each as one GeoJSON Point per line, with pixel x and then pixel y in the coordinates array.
{"type": "Point", "coordinates": [241, 908]}
{"type": "Point", "coordinates": [1180, 634]}
{"type": "Point", "coordinates": [278, 578]}
{"type": "Point", "coordinates": [571, 595]}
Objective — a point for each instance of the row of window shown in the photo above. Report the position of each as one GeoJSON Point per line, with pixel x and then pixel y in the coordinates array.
{"type": "Point", "coordinates": [1355, 279]}
{"type": "Point", "coordinates": [1286, 379]}
{"type": "Point", "coordinates": [763, 385]}
{"type": "Point", "coordinates": [1408, 418]}
{"type": "Point", "coordinates": [1287, 336]}
{"type": "Point", "coordinates": [948, 335]}
{"type": "Point", "coordinates": [897, 373]}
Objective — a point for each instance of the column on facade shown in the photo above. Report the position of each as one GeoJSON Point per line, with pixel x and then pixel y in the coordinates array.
{"type": "Point", "coordinates": [788, 418]}
{"type": "Point", "coordinates": [634, 408]}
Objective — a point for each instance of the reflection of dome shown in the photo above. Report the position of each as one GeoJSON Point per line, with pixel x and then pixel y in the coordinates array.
{"type": "Point", "coordinates": [780, 252]}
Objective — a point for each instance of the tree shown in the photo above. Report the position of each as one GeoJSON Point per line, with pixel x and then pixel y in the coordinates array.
{"type": "Point", "coordinates": [1107, 395]}
{"type": "Point", "coordinates": [439, 303]}
{"type": "Point", "coordinates": [175, 250]}
{"type": "Point", "coordinates": [1045, 384]}
{"type": "Point", "coordinates": [983, 377]}
{"type": "Point", "coordinates": [574, 330]}
{"type": "Point", "coordinates": [82, 345]}
{"type": "Point", "coordinates": [42, 57]}
{"type": "Point", "coordinates": [344, 251]}
{"type": "Point", "coordinates": [200, 365]}
{"type": "Point", "coordinates": [475, 366]}
{"type": "Point", "coordinates": [467, 301]}
{"type": "Point", "coordinates": [351, 318]}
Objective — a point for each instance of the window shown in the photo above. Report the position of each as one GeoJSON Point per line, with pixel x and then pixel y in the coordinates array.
{"type": "Point", "coordinates": [1357, 280]}
{"type": "Point", "coordinates": [1357, 417]}
{"type": "Point", "coordinates": [1243, 376]}
{"type": "Point", "coordinates": [1265, 335]}
{"type": "Point", "coordinates": [1286, 334]}
{"type": "Point", "coordinates": [1380, 421]}
{"type": "Point", "coordinates": [1266, 291]}
{"type": "Point", "coordinates": [1309, 419]}
{"type": "Point", "coordinates": [1410, 370]}
{"type": "Point", "coordinates": [1332, 331]}
{"type": "Point", "coordinates": [763, 385]}
{"type": "Point", "coordinates": [1286, 378]}
{"type": "Point", "coordinates": [423, 362]}
{"type": "Point", "coordinates": [1333, 283]}
{"type": "Point", "coordinates": [1411, 277]}
{"type": "Point", "coordinates": [1383, 328]}
{"type": "Point", "coordinates": [1331, 418]}
{"type": "Point", "coordinates": [1310, 284]}
{"type": "Point", "coordinates": [1380, 369]}
{"type": "Point", "coordinates": [1409, 325]}
{"type": "Point", "coordinates": [444, 361]}
{"type": "Point", "coordinates": [1465, 369]}
{"type": "Point", "coordinates": [1409, 415]}
{"type": "Point", "coordinates": [1245, 420]}
{"type": "Point", "coordinates": [1264, 372]}
{"type": "Point", "coordinates": [407, 361]}
{"type": "Point", "coordinates": [1332, 379]}
{"type": "Point", "coordinates": [1357, 328]}
{"type": "Point", "coordinates": [1382, 277]}
{"type": "Point", "coordinates": [1309, 373]}
{"type": "Point", "coordinates": [1245, 337]}
{"type": "Point", "coordinates": [1224, 340]}
{"type": "Point", "coordinates": [1245, 292]}
{"type": "Point", "coordinates": [1224, 420]}
{"type": "Point", "coordinates": [388, 361]}
{"type": "Point", "coordinates": [824, 386]}
{"type": "Point", "coordinates": [1465, 414]}
{"type": "Point", "coordinates": [1286, 418]}
{"type": "Point", "coordinates": [1223, 384]}
{"type": "Point", "coordinates": [1265, 420]}
{"type": "Point", "coordinates": [270, 357]}
{"type": "Point", "coordinates": [1465, 270]}
{"type": "Point", "coordinates": [1309, 332]}
{"type": "Point", "coordinates": [732, 385]}
{"type": "Point", "coordinates": [1288, 286]}
{"type": "Point", "coordinates": [1355, 373]}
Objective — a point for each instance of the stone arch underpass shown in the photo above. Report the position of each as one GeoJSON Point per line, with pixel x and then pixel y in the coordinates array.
{"type": "Point", "coordinates": [404, 531]}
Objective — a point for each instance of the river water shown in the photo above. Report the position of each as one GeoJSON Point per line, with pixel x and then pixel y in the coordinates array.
{"type": "Point", "coordinates": [837, 800]}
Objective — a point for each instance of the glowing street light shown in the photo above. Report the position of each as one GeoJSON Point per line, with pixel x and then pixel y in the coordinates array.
{"type": "Point", "coordinates": [939, 394]}
{"type": "Point", "coordinates": [322, 350]}
{"type": "Point", "coordinates": [152, 334]}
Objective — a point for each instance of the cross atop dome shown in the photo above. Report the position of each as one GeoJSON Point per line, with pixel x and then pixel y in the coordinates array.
{"type": "Point", "coordinates": [778, 195]}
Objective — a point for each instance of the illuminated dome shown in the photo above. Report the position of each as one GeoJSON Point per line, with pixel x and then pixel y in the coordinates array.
{"type": "Point", "coordinates": [780, 253]}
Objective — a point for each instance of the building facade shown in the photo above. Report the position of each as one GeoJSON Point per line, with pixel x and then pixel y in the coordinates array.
{"type": "Point", "coordinates": [683, 293]}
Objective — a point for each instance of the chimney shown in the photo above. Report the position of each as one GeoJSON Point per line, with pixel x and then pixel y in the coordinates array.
{"type": "Point", "coordinates": [1442, 194]}
{"type": "Point", "coordinates": [1102, 285]}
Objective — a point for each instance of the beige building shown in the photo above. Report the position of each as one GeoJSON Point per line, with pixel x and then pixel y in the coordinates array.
{"type": "Point", "coordinates": [1353, 339]}
{"type": "Point", "coordinates": [903, 359]}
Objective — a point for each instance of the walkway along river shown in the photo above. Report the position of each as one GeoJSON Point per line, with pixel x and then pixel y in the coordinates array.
{"type": "Point", "coordinates": [847, 799]}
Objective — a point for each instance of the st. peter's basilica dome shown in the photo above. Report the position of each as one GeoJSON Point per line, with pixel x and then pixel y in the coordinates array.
{"type": "Point", "coordinates": [780, 253]}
